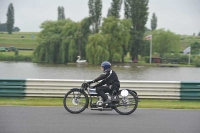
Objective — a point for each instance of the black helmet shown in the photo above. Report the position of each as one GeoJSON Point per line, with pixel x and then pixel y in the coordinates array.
{"type": "Point", "coordinates": [105, 65]}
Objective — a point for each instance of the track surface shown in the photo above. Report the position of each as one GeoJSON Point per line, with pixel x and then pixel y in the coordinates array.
{"type": "Point", "coordinates": [21, 119]}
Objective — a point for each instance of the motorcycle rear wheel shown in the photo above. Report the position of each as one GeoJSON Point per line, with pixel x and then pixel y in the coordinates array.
{"type": "Point", "coordinates": [126, 105]}
{"type": "Point", "coordinates": [75, 101]}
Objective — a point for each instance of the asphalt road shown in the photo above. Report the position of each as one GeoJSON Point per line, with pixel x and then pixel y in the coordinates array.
{"type": "Point", "coordinates": [19, 119]}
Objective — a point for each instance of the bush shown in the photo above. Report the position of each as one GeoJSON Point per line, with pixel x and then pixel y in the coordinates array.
{"type": "Point", "coordinates": [147, 59]}
{"type": "Point", "coordinates": [15, 58]}
{"type": "Point", "coordinates": [197, 63]}
{"type": "Point", "coordinates": [16, 52]}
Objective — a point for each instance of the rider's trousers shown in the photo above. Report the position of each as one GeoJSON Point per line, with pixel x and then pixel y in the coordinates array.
{"type": "Point", "coordinates": [101, 90]}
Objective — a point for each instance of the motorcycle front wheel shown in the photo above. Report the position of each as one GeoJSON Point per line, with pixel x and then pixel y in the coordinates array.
{"type": "Point", "coordinates": [75, 101]}
{"type": "Point", "coordinates": [126, 105]}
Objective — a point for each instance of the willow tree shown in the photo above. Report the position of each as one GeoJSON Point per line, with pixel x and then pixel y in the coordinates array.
{"type": "Point", "coordinates": [49, 40]}
{"type": "Point", "coordinates": [97, 49]}
{"type": "Point", "coordinates": [69, 48]}
{"type": "Point", "coordinates": [84, 28]}
{"type": "Point", "coordinates": [165, 42]}
{"type": "Point", "coordinates": [116, 32]}
{"type": "Point", "coordinates": [74, 39]}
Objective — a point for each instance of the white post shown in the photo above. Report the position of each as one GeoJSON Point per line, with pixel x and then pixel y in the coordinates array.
{"type": "Point", "coordinates": [150, 49]}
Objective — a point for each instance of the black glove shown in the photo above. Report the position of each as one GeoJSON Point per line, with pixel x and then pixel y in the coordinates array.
{"type": "Point", "coordinates": [90, 82]}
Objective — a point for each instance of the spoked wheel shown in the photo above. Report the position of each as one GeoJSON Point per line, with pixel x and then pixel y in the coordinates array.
{"type": "Point", "coordinates": [75, 101]}
{"type": "Point", "coordinates": [127, 104]}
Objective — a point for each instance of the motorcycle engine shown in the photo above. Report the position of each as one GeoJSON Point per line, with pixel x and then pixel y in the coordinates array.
{"type": "Point", "coordinates": [99, 103]}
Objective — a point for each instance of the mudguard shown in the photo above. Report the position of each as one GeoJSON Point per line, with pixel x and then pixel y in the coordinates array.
{"type": "Point", "coordinates": [75, 89]}
{"type": "Point", "coordinates": [131, 91]}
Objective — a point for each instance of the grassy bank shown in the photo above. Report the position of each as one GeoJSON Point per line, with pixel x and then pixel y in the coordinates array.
{"type": "Point", "coordinates": [22, 56]}
{"type": "Point", "coordinates": [186, 41]}
{"type": "Point", "coordinates": [166, 104]}
{"type": "Point", "coordinates": [29, 39]}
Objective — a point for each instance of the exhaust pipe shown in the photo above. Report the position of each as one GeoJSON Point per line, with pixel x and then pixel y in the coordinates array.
{"type": "Point", "coordinates": [102, 109]}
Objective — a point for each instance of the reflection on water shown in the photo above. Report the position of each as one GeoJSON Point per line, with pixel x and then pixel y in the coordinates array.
{"type": "Point", "coordinates": [126, 71]}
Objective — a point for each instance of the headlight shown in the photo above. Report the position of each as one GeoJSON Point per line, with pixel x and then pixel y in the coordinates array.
{"type": "Point", "coordinates": [124, 93]}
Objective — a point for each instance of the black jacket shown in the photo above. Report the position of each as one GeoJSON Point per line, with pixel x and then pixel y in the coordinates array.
{"type": "Point", "coordinates": [109, 77]}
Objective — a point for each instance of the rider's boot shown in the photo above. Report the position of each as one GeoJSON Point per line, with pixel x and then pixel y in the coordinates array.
{"type": "Point", "coordinates": [107, 101]}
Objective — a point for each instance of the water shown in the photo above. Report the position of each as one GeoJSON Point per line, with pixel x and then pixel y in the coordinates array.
{"type": "Point", "coordinates": [126, 71]}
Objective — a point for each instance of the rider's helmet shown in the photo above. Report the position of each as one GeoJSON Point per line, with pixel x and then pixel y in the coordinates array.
{"type": "Point", "coordinates": [105, 65]}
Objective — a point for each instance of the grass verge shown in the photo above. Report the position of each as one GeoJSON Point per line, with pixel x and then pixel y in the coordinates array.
{"type": "Point", "coordinates": [166, 104]}
{"type": "Point", "coordinates": [22, 56]}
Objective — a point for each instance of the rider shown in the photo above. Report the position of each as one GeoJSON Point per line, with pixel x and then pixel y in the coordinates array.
{"type": "Point", "coordinates": [109, 77]}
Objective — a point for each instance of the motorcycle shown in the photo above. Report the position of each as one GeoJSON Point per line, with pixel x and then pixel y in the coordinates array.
{"type": "Point", "coordinates": [123, 101]}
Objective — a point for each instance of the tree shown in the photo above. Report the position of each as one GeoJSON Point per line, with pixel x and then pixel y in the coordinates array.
{"type": "Point", "coordinates": [3, 27]}
{"type": "Point", "coordinates": [74, 41]}
{"type": "Point", "coordinates": [61, 13]}
{"type": "Point", "coordinates": [16, 29]}
{"type": "Point", "coordinates": [10, 18]}
{"type": "Point", "coordinates": [165, 42]}
{"type": "Point", "coordinates": [116, 32]}
{"type": "Point", "coordinates": [95, 7]}
{"type": "Point", "coordinates": [147, 29]}
{"type": "Point", "coordinates": [136, 10]}
{"type": "Point", "coordinates": [83, 37]}
{"type": "Point", "coordinates": [115, 8]}
{"type": "Point", "coordinates": [145, 48]}
{"type": "Point", "coordinates": [195, 48]}
{"type": "Point", "coordinates": [199, 34]}
{"type": "Point", "coordinates": [50, 40]}
{"type": "Point", "coordinates": [193, 34]}
{"type": "Point", "coordinates": [62, 41]}
{"type": "Point", "coordinates": [70, 42]}
{"type": "Point", "coordinates": [153, 22]}
{"type": "Point", "coordinates": [96, 49]}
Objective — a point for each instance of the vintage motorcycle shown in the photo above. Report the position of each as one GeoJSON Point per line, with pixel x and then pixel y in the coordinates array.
{"type": "Point", "coordinates": [124, 101]}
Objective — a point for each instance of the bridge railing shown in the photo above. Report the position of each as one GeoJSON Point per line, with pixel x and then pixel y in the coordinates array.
{"type": "Point", "coordinates": [59, 87]}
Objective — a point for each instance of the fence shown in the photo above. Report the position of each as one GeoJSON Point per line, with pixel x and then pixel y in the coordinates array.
{"type": "Point", "coordinates": [59, 87]}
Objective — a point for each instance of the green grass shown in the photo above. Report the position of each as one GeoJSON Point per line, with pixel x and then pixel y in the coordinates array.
{"type": "Point", "coordinates": [186, 41]}
{"type": "Point", "coordinates": [31, 101]}
{"type": "Point", "coordinates": [7, 40]}
{"type": "Point", "coordinates": [22, 56]}
{"type": "Point", "coordinates": [167, 104]}
{"type": "Point", "coordinates": [20, 52]}
{"type": "Point", "coordinates": [170, 104]}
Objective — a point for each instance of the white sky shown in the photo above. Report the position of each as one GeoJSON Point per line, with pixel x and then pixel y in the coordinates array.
{"type": "Point", "coordinates": [179, 16]}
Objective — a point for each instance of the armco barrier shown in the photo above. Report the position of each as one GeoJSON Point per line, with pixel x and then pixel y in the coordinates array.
{"type": "Point", "coordinates": [190, 90]}
{"type": "Point", "coordinates": [59, 87]}
{"type": "Point", "coordinates": [12, 87]}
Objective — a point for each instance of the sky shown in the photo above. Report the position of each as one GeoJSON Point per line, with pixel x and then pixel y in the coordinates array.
{"type": "Point", "coordinates": [179, 16]}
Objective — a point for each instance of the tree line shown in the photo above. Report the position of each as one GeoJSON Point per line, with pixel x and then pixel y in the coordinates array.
{"type": "Point", "coordinates": [61, 41]}
{"type": "Point", "coordinates": [9, 25]}
{"type": "Point", "coordinates": [97, 39]}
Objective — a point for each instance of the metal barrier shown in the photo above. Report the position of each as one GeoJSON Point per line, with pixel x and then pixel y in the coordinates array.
{"type": "Point", "coordinates": [59, 87]}
{"type": "Point", "coordinates": [12, 87]}
{"type": "Point", "coordinates": [190, 90]}
{"type": "Point", "coordinates": [154, 89]}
